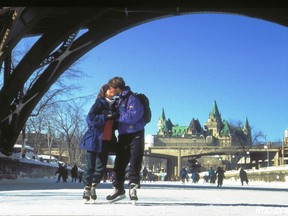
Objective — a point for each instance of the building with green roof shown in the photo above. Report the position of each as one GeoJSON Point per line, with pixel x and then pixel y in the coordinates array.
{"type": "Point", "coordinates": [214, 132]}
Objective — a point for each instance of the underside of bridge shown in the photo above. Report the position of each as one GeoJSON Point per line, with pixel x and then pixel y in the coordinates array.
{"type": "Point", "coordinates": [60, 45]}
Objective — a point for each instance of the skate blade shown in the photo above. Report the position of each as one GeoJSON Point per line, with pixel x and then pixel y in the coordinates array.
{"type": "Point", "coordinates": [86, 201]}
{"type": "Point", "coordinates": [133, 202]}
{"type": "Point", "coordinates": [121, 197]}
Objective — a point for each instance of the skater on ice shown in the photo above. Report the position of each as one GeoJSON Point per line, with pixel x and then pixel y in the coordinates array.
{"type": "Point", "coordinates": [220, 176]}
{"type": "Point", "coordinates": [211, 175]}
{"type": "Point", "coordinates": [61, 172]}
{"type": "Point", "coordinates": [98, 140]}
{"type": "Point", "coordinates": [183, 174]}
{"type": "Point", "coordinates": [145, 174]}
{"type": "Point", "coordinates": [74, 173]}
{"type": "Point", "coordinates": [243, 176]}
{"type": "Point", "coordinates": [130, 140]}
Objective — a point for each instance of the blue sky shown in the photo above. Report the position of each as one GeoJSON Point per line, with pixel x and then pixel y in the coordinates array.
{"type": "Point", "coordinates": [184, 63]}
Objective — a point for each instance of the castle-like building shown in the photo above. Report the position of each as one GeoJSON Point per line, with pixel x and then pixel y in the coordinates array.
{"type": "Point", "coordinates": [215, 131]}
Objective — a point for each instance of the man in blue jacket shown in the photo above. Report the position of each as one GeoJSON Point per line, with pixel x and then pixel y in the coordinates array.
{"type": "Point", "coordinates": [130, 140]}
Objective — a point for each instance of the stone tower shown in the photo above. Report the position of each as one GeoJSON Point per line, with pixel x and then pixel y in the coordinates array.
{"type": "Point", "coordinates": [247, 131]}
{"type": "Point", "coordinates": [214, 122]}
{"type": "Point", "coordinates": [164, 126]}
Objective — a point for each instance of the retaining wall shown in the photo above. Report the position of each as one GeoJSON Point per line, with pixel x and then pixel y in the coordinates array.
{"type": "Point", "coordinates": [271, 174]}
{"type": "Point", "coordinates": [13, 168]}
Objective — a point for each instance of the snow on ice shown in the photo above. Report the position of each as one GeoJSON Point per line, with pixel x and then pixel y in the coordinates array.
{"type": "Point", "coordinates": [46, 197]}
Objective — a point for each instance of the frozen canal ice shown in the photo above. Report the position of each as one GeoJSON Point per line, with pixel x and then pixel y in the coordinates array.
{"type": "Point", "coordinates": [45, 197]}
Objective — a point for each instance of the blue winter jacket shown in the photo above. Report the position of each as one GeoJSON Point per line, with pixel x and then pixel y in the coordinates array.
{"type": "Point", "coordinates": [92, 138]}
{"type": "Point", "coordinates": [131, 113]}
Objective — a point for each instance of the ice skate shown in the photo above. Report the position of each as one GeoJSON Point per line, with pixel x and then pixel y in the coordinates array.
{"type": "Point", "coordinates": [93, 192]}
{"type": "Point", "coordinates": [116, 195]}
{"type": "Point", "coordinates": [133, 193]}
{"type": "Point", "coordinates": [86, 194]}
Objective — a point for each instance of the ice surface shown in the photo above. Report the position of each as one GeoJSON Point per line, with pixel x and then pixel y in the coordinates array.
{"type": "Point", "coordinates": [46, 197]}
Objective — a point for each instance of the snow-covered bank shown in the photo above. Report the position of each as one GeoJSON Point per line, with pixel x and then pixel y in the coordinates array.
{"type": "Point", "coordinates": [273, 174]}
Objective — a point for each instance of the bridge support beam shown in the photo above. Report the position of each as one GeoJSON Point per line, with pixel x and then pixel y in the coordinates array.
{"type": "Point", "coordinates": [178, 163]}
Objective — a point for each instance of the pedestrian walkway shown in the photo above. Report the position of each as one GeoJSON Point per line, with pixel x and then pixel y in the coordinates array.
{"type": "Point", "coordinates": [155, 199]}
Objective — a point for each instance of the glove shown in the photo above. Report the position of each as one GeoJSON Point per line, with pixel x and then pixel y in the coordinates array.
{"type": "Point", "coordinates": [112, 115]}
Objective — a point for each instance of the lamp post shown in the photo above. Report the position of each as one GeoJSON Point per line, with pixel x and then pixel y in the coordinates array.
{"type": "Point", "coordinates": [282, 151]}
{"type": "Point", "coordinates": [169, 136]}
{"type": "Point", "coordinates": [247, 157]}
{"type": "Point", "coordinates": [23, 148]}
{"type": "Point", "coordinates": [267, 149]}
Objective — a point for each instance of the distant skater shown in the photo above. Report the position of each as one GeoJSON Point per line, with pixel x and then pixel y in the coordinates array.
{"type": "Point", "coordinates": [60, 171]}
{"type": "Point", "coordinates": [74, 173]}
{"type": "Point", "coordinates": [243, 176]}
{"type": "Point", "coordinates": [220, 176]}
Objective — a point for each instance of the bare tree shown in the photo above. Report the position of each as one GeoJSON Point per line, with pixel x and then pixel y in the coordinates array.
{"type": "Point", "coordinates": [246, 136]}
{"type": "Point", "coordinates": [36, 125]}
{"type": "Point", "coordinates": [69, 122]}
{"type": "Point", "coordinates": [62, 88]}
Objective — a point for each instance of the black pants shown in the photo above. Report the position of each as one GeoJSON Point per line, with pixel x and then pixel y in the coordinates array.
{"type": "Point", "coordinates": [130, 151]}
